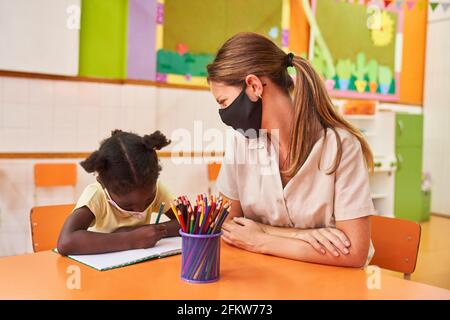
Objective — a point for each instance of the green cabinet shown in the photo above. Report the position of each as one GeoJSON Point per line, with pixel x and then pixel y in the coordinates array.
{"type": "Point", "coordinates": [409, 130]}
{"type": "Point", "coordinates": [408, 193]}
{"type": "Point", "coordinates": [410, 201]}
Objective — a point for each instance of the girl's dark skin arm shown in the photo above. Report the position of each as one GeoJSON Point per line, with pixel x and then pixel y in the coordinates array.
{"type": "Point", "coordinates": [75, 239]}
{"type": "Point", "coordinates": [171, 226]}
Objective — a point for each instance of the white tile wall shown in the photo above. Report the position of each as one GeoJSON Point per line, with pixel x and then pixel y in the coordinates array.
{"type": "Point", "coordinates": [51, 115]}
{"type": "Point", "coordinates": [64, 116]}
{"type": "Point", "coordinates": [15, 90]}
{"type": "Point", "coordinates": [41, 92]}
{"type": "Point", "coordinates": [17, 195]}
{"type": "Point", "coordinates": [17, 198]}
{"type": "Point", "coordinates": [436, 143]}
{"type": "Point", "coordinates": [172, 116]}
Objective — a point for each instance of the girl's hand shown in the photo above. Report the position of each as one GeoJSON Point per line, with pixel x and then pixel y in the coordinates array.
{"type": "Point", "coordinates": [331, 239]}
{"type": "Point", "coordinates": [147, 236]}
{"type": "Point", "coordinates": [243, 233]}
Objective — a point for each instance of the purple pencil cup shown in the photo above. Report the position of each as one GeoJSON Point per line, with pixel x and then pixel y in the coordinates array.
{"type": "Point", "coordinates": [200, 257]}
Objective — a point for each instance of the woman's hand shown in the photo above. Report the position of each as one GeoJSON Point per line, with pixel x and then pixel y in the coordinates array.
{"type": "Point", "coordinates": [331, 239]}
{"type": "Point", "coordinates": [147, 236]}
{"type": "Point", "coordinates": [243, 233]}
{"type": "Point", "coordinates": [249, 235]}
{"type": "Point", "coordinates": [322, 240]}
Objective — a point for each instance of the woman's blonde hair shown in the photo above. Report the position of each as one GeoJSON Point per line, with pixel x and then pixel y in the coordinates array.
{"type": "Point", "coordinates": [250, 53]}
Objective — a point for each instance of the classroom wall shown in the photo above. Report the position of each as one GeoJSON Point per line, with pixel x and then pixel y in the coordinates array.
{"type": "Point", "coordinates": [17, 198]}
{"type": "Point", "coordinates": [413, 53]}
{"type": "Point", "coordinates": [436, 156]}
{"type": "Point", "coordinates": [38, 115]}
{"type": "Point", "coordinates": [17, 195]}
{"type": "Point", "coordinates": [68, 116]}
{"type": "Point", "coordinates": [39, 36]}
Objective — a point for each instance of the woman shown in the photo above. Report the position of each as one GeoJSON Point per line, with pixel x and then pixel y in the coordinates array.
{"type": "Point", "coordinates": [314, 201]}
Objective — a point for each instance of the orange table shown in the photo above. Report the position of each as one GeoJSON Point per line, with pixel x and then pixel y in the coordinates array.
{"type": "Point", "coordinates": [244, 275]}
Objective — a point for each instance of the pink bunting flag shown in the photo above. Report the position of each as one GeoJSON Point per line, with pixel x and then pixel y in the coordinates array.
{"type": "Point", "coordinates": [410, 4]}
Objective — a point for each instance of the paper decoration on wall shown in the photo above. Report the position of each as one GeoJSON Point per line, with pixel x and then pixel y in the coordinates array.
{"type": "Point", "coordinates": [141, 56]}
{"type": "Point", "coordinates": [384, 34]}
{"type": "Point", "coordinates": [182, 48]}
{"type": "Point", "coordinates": [189, 33]}
{"type": "Point", "coordinates": [273, 32]}
{"type": "Point", "coordinates": [364, 45]}
{"type": "Point", "coordinates": [103, 39]}
{"type": "Point", "coordinates": [433, 5]}
{"type": "Point", "coordinates": [409, 4]}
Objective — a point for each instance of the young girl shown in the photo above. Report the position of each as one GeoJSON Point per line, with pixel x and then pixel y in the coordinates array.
{"type": "Point", "coordinates": [114, 213]}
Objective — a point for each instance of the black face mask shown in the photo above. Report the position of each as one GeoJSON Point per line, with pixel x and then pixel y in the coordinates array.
{"type": "Point", "coordinates": [243, 114]}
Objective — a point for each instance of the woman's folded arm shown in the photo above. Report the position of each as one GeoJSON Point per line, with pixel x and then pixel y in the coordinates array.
{"type": "Point", "coordinates": [309, 245]}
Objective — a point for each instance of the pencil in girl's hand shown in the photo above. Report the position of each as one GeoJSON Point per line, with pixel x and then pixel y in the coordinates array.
{"type": "Point", "coordinates": [161, 208]}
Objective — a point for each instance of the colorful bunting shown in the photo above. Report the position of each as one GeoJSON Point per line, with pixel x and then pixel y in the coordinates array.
{"type": "Point", "coordinates": [410, 4]}
{"type": "Point", "coordinates": [433, 5]}
{"type": "Point", "coordinates": [421, 4]}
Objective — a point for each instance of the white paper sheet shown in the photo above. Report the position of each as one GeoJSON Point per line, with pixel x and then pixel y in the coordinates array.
{"type": "Point", "coordinates": [106, 261]}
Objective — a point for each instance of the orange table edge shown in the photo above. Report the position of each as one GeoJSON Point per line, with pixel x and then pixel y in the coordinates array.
{"type": "Point", "coordinates": [244, 275]}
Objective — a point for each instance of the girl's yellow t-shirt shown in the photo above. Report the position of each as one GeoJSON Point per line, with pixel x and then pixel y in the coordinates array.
{"type": "Point", "coordinates": [108, 218]}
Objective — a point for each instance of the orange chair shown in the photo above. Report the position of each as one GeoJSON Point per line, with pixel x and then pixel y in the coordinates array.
{"type": "Point", "coordinates": [396, 243]}
{"type": "Point", "coordinates": [54, 175]}
{"type": "Point", "coordinates": [46, 223]}
{"type": "Point", "coordinates": [213, 172]}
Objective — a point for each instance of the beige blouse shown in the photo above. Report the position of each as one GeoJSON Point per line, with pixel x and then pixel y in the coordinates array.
{"type": "Point", "coordinates": [311, 199]}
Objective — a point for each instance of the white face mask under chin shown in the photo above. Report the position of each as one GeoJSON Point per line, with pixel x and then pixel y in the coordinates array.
{"type": "Point", "coordinates": [126, 213]}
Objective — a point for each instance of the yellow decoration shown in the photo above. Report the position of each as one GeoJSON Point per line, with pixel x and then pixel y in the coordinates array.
{"type": "Point", "coordinates": [383, 36]}
{"type": "Point", "coordinates": [360, 85]}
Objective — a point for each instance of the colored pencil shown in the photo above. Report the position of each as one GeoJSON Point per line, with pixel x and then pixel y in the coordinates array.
{"type": "Point", "coordinates": [161, 208]}
{"type": "Point", "coordinates": [205, 217]}
{"type": "Point", "coordinates": [174, 212]}
{"type": "Point", "coordinates": [180, 216]}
